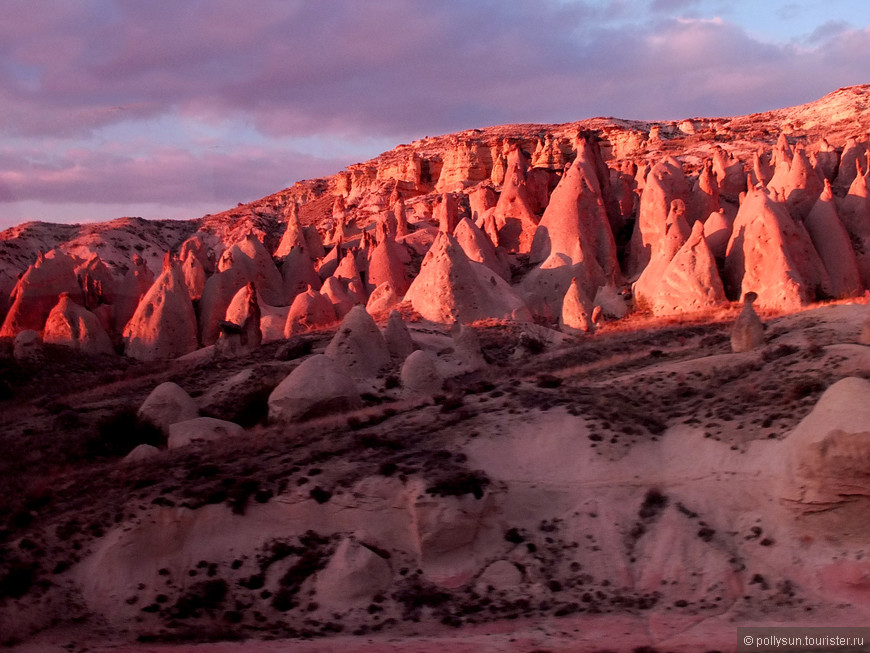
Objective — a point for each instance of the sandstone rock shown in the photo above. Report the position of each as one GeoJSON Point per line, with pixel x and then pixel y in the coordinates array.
{"type": "Point", "coordinates": [544, 286]}
{"type": "Point", "coordinates": [853, 153]}
{"type": "Point", "coordinates": [241, 397]}
{"type": "Point", "coordinates": [676, 233]}
{"type": "Point", "coordinates": [705, 195]}
{"type": "Point", "coordinates": [419, 375]}
{"type": "Point", "coordinates": [240, 331]}
{"type": "Point", "coordinates": [309, 310]}
{"type": "Point", "coordinates": [201, 429]}
{"type": "Point", "coordinates": [854, 211]}
{"type": "Point", "coordinates": [252, 262]}
{"type": "Point", "coordinates": [690, 281]}
{"type": "Point", "coordinates": [27, 346]}
{"type": "Point", "coordinates": [97, 282]}
{"type": "Point", "coordinates": [575, 222]}
{"type": "Point", "coordinates": [74, 326]}
{"type": "Point", "coordinates": [465, 164]}
{"type": "Point", "coordinates": [515, 213]}
{"type": "Point", "coordinates": [398, 337]}
{"type": "Point", "coordinates": [132, 288]}
{"type": "Point", "coordinates": [167, 404]}
{"type": "Point", "coordinates": [772, 255]}
{"type": "Point", "coordinates": [747, 333]}
{"type": "Point", "coordinates": [352, 577]}
{"type": "Point", "coordinates": [37, 291]}
{"type": "Point", "coordinates": [141, 452]}
{"type": "Point", "coordinates": [382, 301]}
{"type": "Point", "coordinates": [500, 575]}
{"type": "Point", "coordinates": [446, 212]}
{"type": "Point", "coordinates": [831, 241]}
{"type": "Point", "coordinates": [317, 387]}
{"type": "Point", "coordinates": [358, 347]}
{"type": "Point", "coordinates": [479, 248]}
{"type": "Point", "coordinates": [348, 274]}
{"type": "Point", "coordinates": [609, 303]}
{"type": "Point", "coordinates": [827, 454]}
{"type": "Point", "coordinates": [717, 232]}
{"type": "Point", "coordinates": [481, 199]}
{"type": "Point", "coordinates": [664, 184]}
{"type": "Point", "coordinates": [802, 186]}
{"type": "Point", "coordinates": [386, 265]}
{"type": "Point", "coordinates": [336, 291]}
{"type": "Point", "coordinates": [164, 324]}
{"type": "Point", "coordinates": [293, 235]}
{"type": "Point", "coordinates": [730, 174]}
{"type": "Point", "coordinates": [203, 247]}
{"type": "Point", "coordinates": [194, 276]}
{"type": "Point", "coordinates": [576, 316]}
{"type": "Point", "coordinates": [329, 263]}
{"type": "Point", "coordinates": [450, 287]}
{"type": "Point", "coordinates": [298, 273]}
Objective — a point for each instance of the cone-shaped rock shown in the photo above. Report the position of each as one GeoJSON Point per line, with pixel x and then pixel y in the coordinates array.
{"type": "Point", "coordinates": [773, 256]}
{"type": "Point", "coordinates": [255, 264]}
{"type": "Point", "coordinates": [386, 266]}
{"type": "Point", "coordinates": [690, 282]}
{"type": "Point", "coordinates": [136, 282]}
{"type": "Point", "coordinates": [37, 291]}
{"type": "Point", "coordinates": [317, 387]}
{"type": "Point", "coordinates": [831, 241]}
{"type": "Point", "coordinates": [419, 375]}
{"type": "Point", "coordinates": [705, 195]}
{"type": "Point", "coordinates": [514, 213]}
{"type": "Point", "coordinates": [309, 310]}
{"type": "Point", "coordinates": [398, 337]}
{"type": "Point", "coordinates": [450, 287]}
{"type": "Point", "coordinates": [478, 247]}
{"type": "Point", "coordinates": [164, 324]}
{"type": "Point", "coordinates": [664, 183]}
{"type": "Point", "coordinates": [293, 234]}
{"type": "Point", "coordinates": [382, 301]}
{"type": "Point", "coordinates": [358, 347]}
{"type": "Point", "coordinates": [194, 276]}
{"type": "Point", "coordinates": [575, 221]}
{"type": "Point", "coordinates": [676, 234]}
{"type": "Point", "coordinates": [543, 288]}
{"type": "Point", "coordinates": [717, 232]}
{"type": "Point", "coordinates": [297, 272]}
{"type": "Point", "coordinates": [74, 326]}
{"type": "Point", "coordinates": [576, 316]}
{"type": "Point", "coordinates": [167, 404]}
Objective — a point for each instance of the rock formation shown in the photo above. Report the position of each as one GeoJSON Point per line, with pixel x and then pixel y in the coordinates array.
{"type": "Point", "coordinates": [164, 324]}
{"type": "Point", "coordinates": [576, 316]}
{"type": "Point", "coordinates": [317, 387]}
{"type": "Point", "coordinates": [201, 429]}
{"type": "Point", "coordinates": [451, 287]}
{"type": "Point", "coordinates": [74, 326]}
{"type": "Point", "coordinates": [309, 310]}
{"type": "Point", "coordinates": [168, 404]}
{"type": "Point", "coordinates": [515, 213]}
{"type": "Point", "coordinates": [419, 375]}
{"type": "Point", "coordinates": [831, 241]}
{"type": "Point", "coordinates": [358, 347]}
{"type": "Point", "coordinates": [747, 333]}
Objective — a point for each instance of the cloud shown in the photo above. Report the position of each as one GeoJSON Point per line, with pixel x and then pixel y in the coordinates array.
{"type": "Point", "coordinates": [75, 72]}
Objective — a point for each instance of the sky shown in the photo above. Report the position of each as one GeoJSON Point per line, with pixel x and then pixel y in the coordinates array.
{"type": "Point", "coordinates": [168, 109]}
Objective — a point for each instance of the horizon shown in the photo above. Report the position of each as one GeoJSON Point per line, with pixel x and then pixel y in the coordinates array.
{"type": "Point", "coordinates": [174, 112]}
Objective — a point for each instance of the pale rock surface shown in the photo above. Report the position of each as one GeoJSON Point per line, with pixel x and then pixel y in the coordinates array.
{"type": "Point", "coordinates": [241, 331]}
{"type": "Point", "coordinates": [450, 287]}
{"type": "Point", "coordinates": [420, 375]}
{"type": "Point", "coordinates": [348, 273]}
{"type": "Point", "coordinates": [515, 213]}
{"type": "Point", "coordinates": [481, 199]}
{"type": "Point", "coordinates": [747, 332]}
{"type": "Point", "coordinates": [167, 404]}
{"type": "Point", "coordinates": [854, 211]}
{"type": "Point", "coordinates": [690, 281]}
{"type": "Point", "coordinates": [575, 222]}
{"type": "Point", "coordinates": [773, 256]}
{"type": "Point", "coordinates": [398, 337]}
{"type": "Point", "coordinates": [576, 316]}
{"type": "Point", "coordinates": [717, 231]}
{"type": "Point", "coordinates": [27, 346]}
{"type": "Point", "coordinates": [352, 577]}
{"type": "Point", "coordinates": [853, 153]}
{"type": "Point", "coordinates": [201, 429]}
{"type": "Point", "coordinates": [382, 301]}
{"type": "Point", "coordinates": [500, 575]}
{"type": "Point", "coordinates": [309, 310]}
{"type": "Point", "coordinates": [609, 303]}
{"type": "Point", "coordinates": [664, 184]}
{"type": "Point", "coordinates": [358, 347]}
{"type": "Point", "coordinates": [802, 187]}
{"type": "Point", "coordinates": [335, 290]}
{"type": "Point", "coordinates": [478, 247]}
{"type": "Point", "coordinates": [37, 291]}
{"type": "Point", "coordinates": [544, 286]}
{"type": "Point", "coordinates": [730, 174]}
{"type": "Point", "coordinates": [204, 247]}
{"type": "Point", "coordinates": [705, 195]}
{"type": "Point", "coordinates": [164, 324]}
{"type": "Point", "coordinates": [676, 233]}
{"type": "Point", "coordinates": [317, 387]}
{"type": "Point", "coordinates": [831, 241]}
{"type": "Point", "coordinates": [71, 325]}
{"type": "Point", "coordinates": [465, 164]}
{"type": "Point", "coordinates": [194, 276]}
{"type": "Point", "coordinates": [97, 282]}
{"type": "Point", "coordinates": [297, 273]}
{"type": "Point", "coordinates": [293, 235]}
{"type": "Point", "coordinates": [387, 265]}
{"type": "Point", "coordinates": [826, 462]}
{"type": "Point", "coordinates": [446, 212]}
{"type": "Point", "coordinates": [132, 288]}
{"type": "Point", "coordinates": [252, 262]}
{"type": "Point", "coordinates": [329, 263]}
{"type": "Point", "coordinates": [141, 452]}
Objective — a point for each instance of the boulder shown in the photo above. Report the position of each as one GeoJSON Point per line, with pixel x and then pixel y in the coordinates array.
{"type": "Point", "coordinates": [71, 325]}
{"type": "Point", "coordinates": [419, 375]}
{"type": "Point", "coordinates": [352, 577]}
{"type": "Point", "coordinates": [317, 387]}
{"type": "Point", "coordinates": [167, 404]}
{"type": "Point", "coordinates": [27, 346]}
{"type": "Point", "coordinates": [164, 324]}
{"type": "Point", "coordinates": [201, 429]}
{"type": "Point", "coordinates": [383, 301]}
{"type": "Point", "coordinates": [358, 347]}
{"type": "Point", "coordinates": [141, 452]}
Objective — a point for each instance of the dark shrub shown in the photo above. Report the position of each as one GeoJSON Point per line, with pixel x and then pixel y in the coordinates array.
{"type": "Point", "coordinates": [121, 432]}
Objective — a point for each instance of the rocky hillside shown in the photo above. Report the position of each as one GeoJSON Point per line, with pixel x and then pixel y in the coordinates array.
{"type": "Point", "coordinates": [578, 387]}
